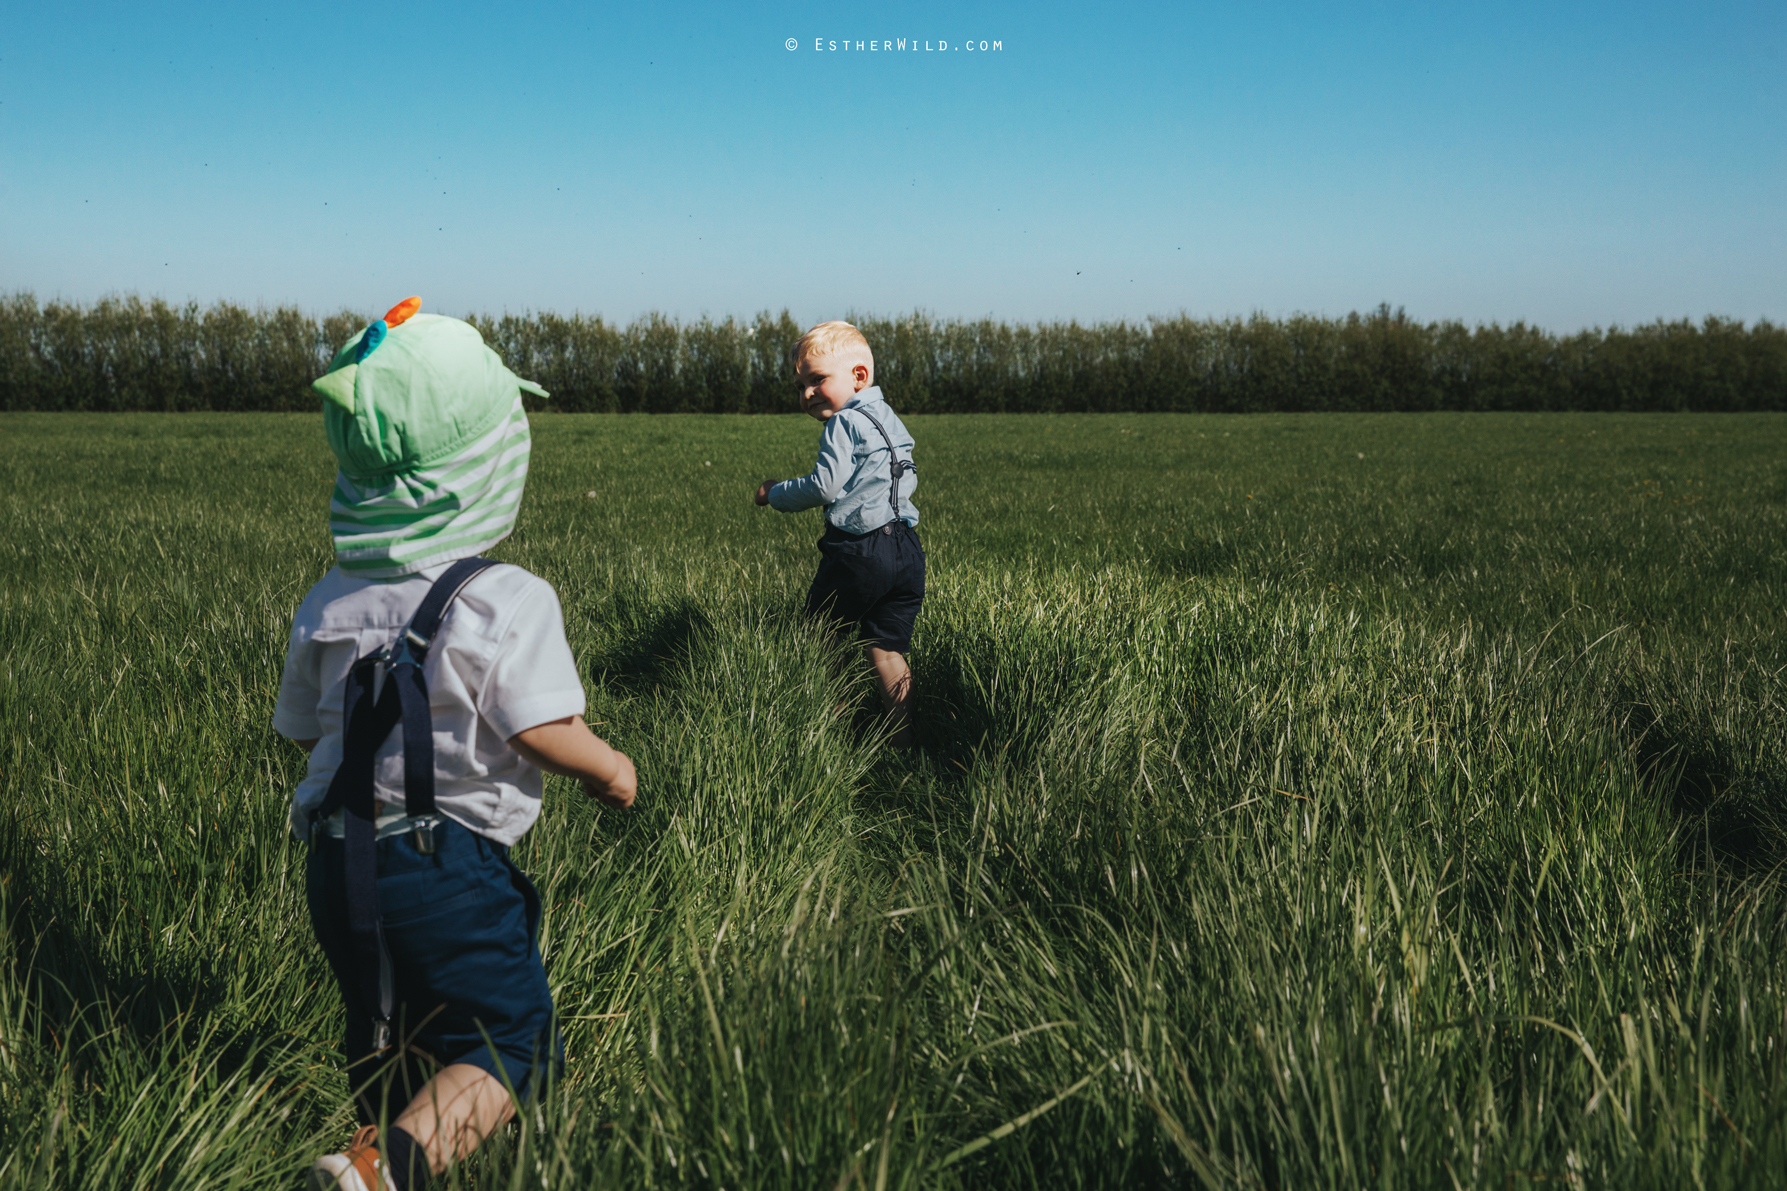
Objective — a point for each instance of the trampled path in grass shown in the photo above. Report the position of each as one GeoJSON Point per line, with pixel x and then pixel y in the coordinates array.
{"type": "Point", "coordinates": [1307, 800]}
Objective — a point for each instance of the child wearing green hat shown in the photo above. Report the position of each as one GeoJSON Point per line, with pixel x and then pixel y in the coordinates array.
{"type": "Point", "coordinates": [431, 688]}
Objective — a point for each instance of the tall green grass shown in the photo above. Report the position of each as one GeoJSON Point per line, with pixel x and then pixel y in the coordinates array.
{"type": "Point", "coordinates": [1320, 801]}
{"type": "Point", "coordinates": [128, 354]}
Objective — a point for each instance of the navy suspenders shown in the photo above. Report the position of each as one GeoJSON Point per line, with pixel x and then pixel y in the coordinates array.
{"type": "Point", "coordinates": [897, 465]}
{"type": "Point", "coordinates": [403, 699]}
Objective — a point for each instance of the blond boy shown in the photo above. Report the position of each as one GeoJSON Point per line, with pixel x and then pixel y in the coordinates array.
{"type": "Point", "coordinates": [872, 567]}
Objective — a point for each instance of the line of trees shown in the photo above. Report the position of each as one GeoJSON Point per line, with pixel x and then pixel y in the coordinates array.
{"type": "Point", "coordinates": [130, 354]}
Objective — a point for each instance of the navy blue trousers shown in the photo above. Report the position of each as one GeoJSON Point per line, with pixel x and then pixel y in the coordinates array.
{"type": "Point", "coordinates": [461, 926]}
{"type": "Point", "coordinates": [874, 580]}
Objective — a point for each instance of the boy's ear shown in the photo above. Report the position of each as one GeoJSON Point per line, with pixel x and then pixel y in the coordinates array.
{"type": "Point", "coordinates": [860, 374]}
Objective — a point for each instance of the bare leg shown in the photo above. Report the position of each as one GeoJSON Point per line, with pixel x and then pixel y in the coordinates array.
{"type": "Point", "coordinates": [896, 691]}
{"type": "Point", "coordinates": [455, 1112]}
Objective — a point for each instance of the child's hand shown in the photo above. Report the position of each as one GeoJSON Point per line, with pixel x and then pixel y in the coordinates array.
{"type": "Point", "coordinates": [763, 491]}
{"type": "Point", "coordinates": [568, 748]}
{"type": "Point", "coordinates": [618, 792]}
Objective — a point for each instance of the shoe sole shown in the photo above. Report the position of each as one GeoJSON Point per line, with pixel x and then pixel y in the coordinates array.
{"type": "Point", "coordinates": [333, 1172]}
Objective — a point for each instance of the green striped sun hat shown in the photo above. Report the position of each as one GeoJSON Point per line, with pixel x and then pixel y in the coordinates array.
{"type": "Point", "coordinates": [432, 441]}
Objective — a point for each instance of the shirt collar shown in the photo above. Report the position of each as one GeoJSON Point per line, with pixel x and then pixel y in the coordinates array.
{"type": "Point", "coordinates": [872, 393]}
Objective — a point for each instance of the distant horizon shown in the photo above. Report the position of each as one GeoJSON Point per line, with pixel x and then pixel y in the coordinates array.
{"type": "Point", "coordinates": [1582, 166]}
{"type": "Point", "coordinates": [776, 311]}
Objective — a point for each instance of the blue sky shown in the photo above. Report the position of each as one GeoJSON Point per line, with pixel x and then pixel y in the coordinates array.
{"type": "Point", "coordinates": [1571, 165]}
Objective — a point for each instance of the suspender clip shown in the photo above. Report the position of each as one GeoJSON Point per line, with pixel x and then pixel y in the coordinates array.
{"type": "Point", "coordinates": [425, 837]}
{"type": "Point", "coordinates": [897, 467]}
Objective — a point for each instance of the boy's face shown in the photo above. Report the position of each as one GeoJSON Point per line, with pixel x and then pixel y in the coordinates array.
{"type": "Point", "coordinates": [827, 383]}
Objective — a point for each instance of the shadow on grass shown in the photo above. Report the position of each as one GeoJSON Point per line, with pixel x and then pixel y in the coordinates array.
{"type": "Point", "coordinates": [78, 997]}
{"type": "Point", "coordinates": [1199, 558]}
{"type": "Point", "coordinates": [1726, 807]}
{"type": "Point", "coordinates": [957, 712]}
{"type": "Point", "coordinates": [649, 643]}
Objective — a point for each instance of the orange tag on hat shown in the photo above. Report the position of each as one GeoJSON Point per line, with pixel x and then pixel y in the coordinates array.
{"type": "Point", "coordinates": [402, 311]}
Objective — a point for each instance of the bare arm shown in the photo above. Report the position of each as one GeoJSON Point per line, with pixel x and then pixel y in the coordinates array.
{"type": "Point", "coordinates": [568, 748]}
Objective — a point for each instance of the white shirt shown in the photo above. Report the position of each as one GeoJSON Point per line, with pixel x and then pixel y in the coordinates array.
{"type": "Point", "coordinates": [499, 665]}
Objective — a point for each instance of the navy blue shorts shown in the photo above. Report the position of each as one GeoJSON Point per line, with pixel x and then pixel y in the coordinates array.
{"type": "Point", "coordinates": [874, 580]}
{"type": "Point", "coordinates": [461, 928]}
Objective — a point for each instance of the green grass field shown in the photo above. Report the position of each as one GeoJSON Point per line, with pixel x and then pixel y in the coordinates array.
{"type": "Point", "coordinates": [1308, 801]}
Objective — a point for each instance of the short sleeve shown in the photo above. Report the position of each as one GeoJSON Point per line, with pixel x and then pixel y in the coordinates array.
{"type": "Point", "coordinates": [533, 677]}
{"type": "Point", "coordinates": [295, 715]}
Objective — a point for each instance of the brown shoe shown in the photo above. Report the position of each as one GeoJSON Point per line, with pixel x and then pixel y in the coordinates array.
{"type": "Point", "coordinates": [355, 1169]}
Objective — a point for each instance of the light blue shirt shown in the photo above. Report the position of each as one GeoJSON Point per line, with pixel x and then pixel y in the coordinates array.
{"type": "Point", "coordinates": [853, 476]}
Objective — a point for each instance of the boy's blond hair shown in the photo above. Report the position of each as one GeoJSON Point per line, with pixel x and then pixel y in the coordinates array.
{"type": "Point", "coordinates": [833, 338]}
